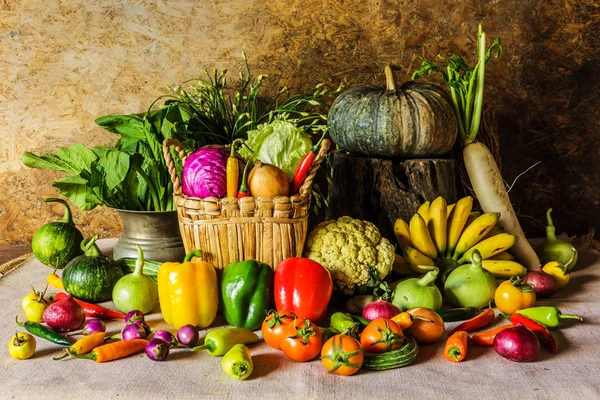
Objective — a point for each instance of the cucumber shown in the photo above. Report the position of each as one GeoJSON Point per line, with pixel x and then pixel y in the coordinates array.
{"type": "Point", "coordinates": [392, 359]}
{"type": "Point", "coordinates": [150, 267]}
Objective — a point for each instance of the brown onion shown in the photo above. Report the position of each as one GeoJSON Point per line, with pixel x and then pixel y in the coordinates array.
{"type": "Point", "coordinates": [267, 180]}
{"type": "Point", "coordinates": [64, 315]}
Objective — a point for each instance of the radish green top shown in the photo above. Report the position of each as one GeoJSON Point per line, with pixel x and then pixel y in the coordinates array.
{"type": "Point", "coordinates": [466, 84]}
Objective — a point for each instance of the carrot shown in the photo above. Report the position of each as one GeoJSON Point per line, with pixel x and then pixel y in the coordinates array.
{"type": "Point", "coordinates": [487, 338]}
{"type": "Point", "coordinates": [467, 95]}
{"type": "Point", "coordinates": [113, 351]}
{"type": "Point", "coordinates": [456, 346]}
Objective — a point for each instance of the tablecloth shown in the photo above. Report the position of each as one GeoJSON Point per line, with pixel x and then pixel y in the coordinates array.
{"type": "Point", "coordinates": [572, 373]}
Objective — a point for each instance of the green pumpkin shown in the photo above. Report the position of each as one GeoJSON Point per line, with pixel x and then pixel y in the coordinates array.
{"type": "Point", "coordinates": [57, 243]}
{"type": "Point", "coordinates": [92, 276]}
{"type": "Point", "coordinates": [415, 120]}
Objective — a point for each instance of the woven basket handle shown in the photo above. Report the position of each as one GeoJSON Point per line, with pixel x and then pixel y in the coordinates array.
{"type": "Point", "coordinates": [306, 188]}
{"type": "Point", "coordinates": [167, 144]}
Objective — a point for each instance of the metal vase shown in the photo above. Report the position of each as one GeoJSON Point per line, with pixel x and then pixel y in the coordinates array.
{"type": "Point", "coordinates": [156, 232]}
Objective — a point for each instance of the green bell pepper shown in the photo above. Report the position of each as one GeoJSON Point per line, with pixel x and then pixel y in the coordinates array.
{"type": "Point", "coordinates": [246, 293]}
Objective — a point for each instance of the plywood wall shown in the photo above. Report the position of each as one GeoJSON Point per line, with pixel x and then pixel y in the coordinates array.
{"type": "Point", "coordinates": [65, 63]}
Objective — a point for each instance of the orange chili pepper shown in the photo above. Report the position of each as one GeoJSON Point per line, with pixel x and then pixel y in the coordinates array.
{"type": "Point", "coordinates": [487, 338]}
{"type": "Point", "coordinates": [232, 171]}
{"type": "Point", "coordinates": [405, 320]}
{"type": "Point", "coordinates": [479, 321]}
{"type": "Point", "coordinates": [85, 344]}
{"type": "Point", "coordinates": [456, 346]}
{"type": "Point", "coordinates": [113, 351]}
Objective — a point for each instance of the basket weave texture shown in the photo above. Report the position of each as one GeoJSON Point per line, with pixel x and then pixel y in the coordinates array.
{"type": "Point", "coordinates": [267, 229]}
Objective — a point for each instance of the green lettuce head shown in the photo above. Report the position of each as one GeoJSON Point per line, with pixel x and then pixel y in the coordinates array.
{"type": "Point", "coordinates": [280, 143]}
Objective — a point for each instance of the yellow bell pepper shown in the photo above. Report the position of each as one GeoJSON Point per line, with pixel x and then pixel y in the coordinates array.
{"type": "Point", "coordinates": [188, 292]}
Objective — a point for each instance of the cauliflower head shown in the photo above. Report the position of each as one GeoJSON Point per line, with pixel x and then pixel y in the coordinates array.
{"type": "Point", "coordinates": [347, 248]}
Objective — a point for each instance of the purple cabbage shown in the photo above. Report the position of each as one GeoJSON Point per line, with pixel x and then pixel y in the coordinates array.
{"type": "Point", "coordinates": [204, 172]}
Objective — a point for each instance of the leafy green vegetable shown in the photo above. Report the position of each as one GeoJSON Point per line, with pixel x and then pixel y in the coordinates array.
{"type": "Point", "coordinates": [280, 143]}
{"type": "Point", "coordinates": [132, 175]}
{"type": "Point", "coordinates": [466, 84]}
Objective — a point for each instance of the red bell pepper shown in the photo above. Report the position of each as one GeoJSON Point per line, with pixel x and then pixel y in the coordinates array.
{"type": "Point", "coordinates": [304, 287]}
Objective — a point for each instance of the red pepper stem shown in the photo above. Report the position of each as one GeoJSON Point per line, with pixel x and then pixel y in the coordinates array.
{"type": "Point", "coordinates": [454, 353]}
{"type": "Point", "coordinates": [244, 185]}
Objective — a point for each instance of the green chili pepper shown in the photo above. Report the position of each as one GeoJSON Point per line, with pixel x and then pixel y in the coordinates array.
{"type": "Point", "coordinates": [548, 316]}
{"type": "Point", "coordinates": [345, 324]}
{"type": "Point", "coordinates": [42, 332]}
{"type": "Point", "coordinates": [237, 362]}
{"type": "Point", "coordinates": [220, 341]}
{"type": "Point", "coordinates": [246, 293]}
{"type": "Point", "coordinates": [457, 314]}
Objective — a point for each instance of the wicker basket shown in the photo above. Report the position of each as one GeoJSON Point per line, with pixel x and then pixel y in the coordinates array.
{"type": "Point", "coordinates": [268, 229]}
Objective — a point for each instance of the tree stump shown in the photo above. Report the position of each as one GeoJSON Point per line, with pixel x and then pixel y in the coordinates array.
{"type": "Point", "coordinates": [382, 190]}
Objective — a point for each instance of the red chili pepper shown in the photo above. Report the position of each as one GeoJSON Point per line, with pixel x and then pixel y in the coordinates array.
{"type": "Point", "coordinates": [93, 310]}
{"type": "Point", "coordinates": [244, 191]}
{"type": "Point", "coordinates": [304, 167]}
{"type": "Point", "coordinates": [542, 333]}
{"type": "Point", "coordinates": [479, 321]}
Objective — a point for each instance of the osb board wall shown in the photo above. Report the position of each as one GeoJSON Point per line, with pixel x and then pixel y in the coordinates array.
{"type": "Point", "coordinates": [64, 63]}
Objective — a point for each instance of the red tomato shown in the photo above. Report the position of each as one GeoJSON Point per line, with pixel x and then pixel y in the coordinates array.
{"type": "Point", "coordinates": [302, 343]}
{"type": "Point", "coordinates": [303, 286]}
{"type": "Point", "coordinates": [276, 326]}
{"type": "Point", "coordinates": [381, 335]}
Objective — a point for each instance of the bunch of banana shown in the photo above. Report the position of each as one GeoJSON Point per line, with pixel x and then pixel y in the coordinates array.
{"type": "Point", "coordinates": [447, 235]}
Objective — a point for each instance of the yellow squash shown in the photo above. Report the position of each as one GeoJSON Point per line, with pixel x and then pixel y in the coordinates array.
{"type": "Point", "coordinates": [188, 292]}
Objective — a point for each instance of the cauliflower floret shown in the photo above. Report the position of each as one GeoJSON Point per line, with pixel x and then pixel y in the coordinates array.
{"type": "Point", "coordinates": [347, 248]}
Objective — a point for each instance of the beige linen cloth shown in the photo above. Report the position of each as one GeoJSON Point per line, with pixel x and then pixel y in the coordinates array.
{"type": "Point", "coordinates": [573, 373]}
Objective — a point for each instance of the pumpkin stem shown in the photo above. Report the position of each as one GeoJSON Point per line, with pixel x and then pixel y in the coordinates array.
{"type": "Point", "coordinates": [390, 83]}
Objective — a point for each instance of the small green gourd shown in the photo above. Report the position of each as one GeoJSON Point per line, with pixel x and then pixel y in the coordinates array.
{"type": "Point", "coordinates": [554, 249]}
{"type": "Point", "coordinates": [470, 285]}
{"type": "Point", "coordinates": [418, 292]}
{"type": "Point", "coordinates": [136, 291]}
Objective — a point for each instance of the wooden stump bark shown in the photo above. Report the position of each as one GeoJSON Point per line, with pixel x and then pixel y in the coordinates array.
{"type": "Point", "coordinates": [382, 190]}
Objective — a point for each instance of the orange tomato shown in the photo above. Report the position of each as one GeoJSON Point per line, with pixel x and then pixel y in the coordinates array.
{"type": "Point", "coordinates": [275, 327]}
{"type": "Point", "coordinates": [342, 355]}
{"type": "Point", "coordinates": [381, 335]}
{"type": "Point", "coordinates": [514, 295]}
{"type": "Point", "coordinates": [427, 329]}
{"type": "Point", "coordinates": [303, 341]}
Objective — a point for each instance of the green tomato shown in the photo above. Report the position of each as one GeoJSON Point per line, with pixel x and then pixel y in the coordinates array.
{"type": "Point", "coordinates": [21, 346]}
{"type": "Point", "coordinates": [34, 311]}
